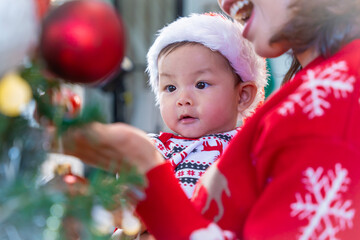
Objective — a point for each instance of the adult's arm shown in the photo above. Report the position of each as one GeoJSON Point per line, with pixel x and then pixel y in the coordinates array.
{"type": "Point", "coordinates": [226, 191]}
{"type": "Point", "coordinates": [166, 206]}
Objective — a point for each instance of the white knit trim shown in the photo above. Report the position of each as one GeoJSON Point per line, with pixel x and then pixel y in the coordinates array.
{"type": "Point", "coordinates": [219, 34]}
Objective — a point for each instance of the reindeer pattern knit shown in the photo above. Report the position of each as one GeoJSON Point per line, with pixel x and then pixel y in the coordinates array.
{"type": "Point", "coordinates": [191, 157]}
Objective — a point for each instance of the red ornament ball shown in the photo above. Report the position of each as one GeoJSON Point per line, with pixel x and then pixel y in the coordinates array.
{"type": "Point", "coordinates": [83, 41]}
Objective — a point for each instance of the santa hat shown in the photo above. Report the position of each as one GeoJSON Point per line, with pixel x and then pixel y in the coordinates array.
{"type": "Point", "coordinates": [218, 33]}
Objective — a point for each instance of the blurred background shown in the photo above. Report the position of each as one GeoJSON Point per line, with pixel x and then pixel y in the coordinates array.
{"type": "Point", "coordinates": [128, 97]}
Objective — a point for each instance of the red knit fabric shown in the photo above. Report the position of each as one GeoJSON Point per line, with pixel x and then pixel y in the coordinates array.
{"type": "Point", "coordinates": [293, 172]}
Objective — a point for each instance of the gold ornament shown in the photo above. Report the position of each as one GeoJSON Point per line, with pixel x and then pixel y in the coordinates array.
{"type": "Point", "coordinates": [15, 94]}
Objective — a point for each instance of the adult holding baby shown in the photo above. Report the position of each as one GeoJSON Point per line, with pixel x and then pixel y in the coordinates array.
{"type": "Point", "coordinates": [292, 172]}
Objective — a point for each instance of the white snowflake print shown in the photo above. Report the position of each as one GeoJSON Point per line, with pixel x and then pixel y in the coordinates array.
{"type": "Point", "coordinates": [323, 206]}
{"type": "Point", "coordinates": [212, 232]}
{"type": "Point", "coordinates": [318, 84]}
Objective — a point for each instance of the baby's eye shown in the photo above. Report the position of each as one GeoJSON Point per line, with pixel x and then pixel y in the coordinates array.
{"type": "Point", "coordinates": [170, 88]}
{"type": "Point", "coordinates": [201, 85]}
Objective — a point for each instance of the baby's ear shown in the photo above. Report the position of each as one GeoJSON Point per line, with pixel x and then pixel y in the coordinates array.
{"type": "Point", "coordinates": [247, 93]}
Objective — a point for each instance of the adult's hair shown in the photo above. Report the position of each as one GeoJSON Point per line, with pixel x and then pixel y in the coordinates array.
{"type": "Point", "coordinates": [324, 25]}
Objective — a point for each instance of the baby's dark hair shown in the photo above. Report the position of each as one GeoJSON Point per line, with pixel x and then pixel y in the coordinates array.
{"type": "Point", "coordinates": [325, 25]}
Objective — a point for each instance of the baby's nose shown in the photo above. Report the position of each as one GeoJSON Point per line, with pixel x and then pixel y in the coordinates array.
{"type": "Point", "coordinates": [184, 99]}
{"type": "Point", "coordinates": [184, 102]}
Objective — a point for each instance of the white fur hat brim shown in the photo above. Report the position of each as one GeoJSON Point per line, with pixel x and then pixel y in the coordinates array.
{"type": "Point", "coordinates": [218, 33]}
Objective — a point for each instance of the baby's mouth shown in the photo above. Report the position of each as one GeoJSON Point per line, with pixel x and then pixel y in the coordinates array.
{"type": "Point", "coordinates": [241, 10]}
{"type": "Point", "coordinates": [186, 118]}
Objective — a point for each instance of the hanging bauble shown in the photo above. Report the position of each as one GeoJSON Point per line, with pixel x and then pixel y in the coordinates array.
{"type": "Point", "coordinates": [64, 180]}
{"type": "Point", "coordinates": [19, 32]}
{"type": "Point", "coordinates": [68, 100]}
{"type": "Point", "coordinates": [15, 94]}
{"type": "Point", "coordinates": [83, 41]}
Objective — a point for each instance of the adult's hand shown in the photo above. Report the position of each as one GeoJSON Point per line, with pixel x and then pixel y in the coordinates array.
{"type": "Point", "coordinates": [112, 146]}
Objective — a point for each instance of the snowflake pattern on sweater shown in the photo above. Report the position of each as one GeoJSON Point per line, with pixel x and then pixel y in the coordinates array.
{"type": "Point", "coordinates": [191, 157]}
{"type": "Point", "coordinates": [323, 203]}
{"type": "Point", "coordinates": [318, 84]}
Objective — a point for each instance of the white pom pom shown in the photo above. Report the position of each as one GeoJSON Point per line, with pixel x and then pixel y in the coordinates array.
{"type": "Point", "coordinates": [130, 224]}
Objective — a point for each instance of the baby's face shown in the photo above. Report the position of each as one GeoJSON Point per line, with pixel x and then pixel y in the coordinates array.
{"type": "Point", "coordinates": [197, 91]}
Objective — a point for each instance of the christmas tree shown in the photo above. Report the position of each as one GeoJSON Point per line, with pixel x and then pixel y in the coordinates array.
{"type": "Point", "coordinates": [42, 47]}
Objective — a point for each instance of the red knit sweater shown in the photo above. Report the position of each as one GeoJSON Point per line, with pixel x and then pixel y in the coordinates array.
{"type": "Point", "coordinates": [291, 173]}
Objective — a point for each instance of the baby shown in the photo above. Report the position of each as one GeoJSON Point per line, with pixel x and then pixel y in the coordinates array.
{"type": "Point", "coordinates": [206, 78]}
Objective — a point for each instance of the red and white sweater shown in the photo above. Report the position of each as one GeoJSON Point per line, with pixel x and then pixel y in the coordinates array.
{"type": "Point", "coordinates": [292, 172]}
{"type": "Point", "coordinates": [191, 157]}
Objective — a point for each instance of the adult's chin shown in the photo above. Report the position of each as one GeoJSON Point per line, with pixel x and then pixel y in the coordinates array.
{"type": "Point", "coordinates": [273, 50]}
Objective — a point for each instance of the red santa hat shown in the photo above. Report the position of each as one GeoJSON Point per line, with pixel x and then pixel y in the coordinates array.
{"type": "Point", "coordinates": [218, 33]}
